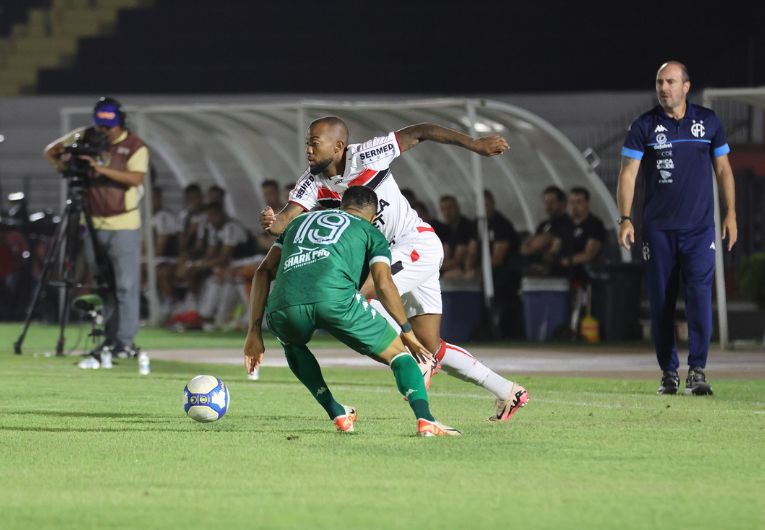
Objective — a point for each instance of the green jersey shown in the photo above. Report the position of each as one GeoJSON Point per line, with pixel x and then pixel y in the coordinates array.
{"type": "Point", "coordinates": [325, 256]}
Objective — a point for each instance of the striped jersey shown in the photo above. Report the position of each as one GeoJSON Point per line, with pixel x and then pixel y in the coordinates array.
{"type": "Point", "coordinates": [366, 164]}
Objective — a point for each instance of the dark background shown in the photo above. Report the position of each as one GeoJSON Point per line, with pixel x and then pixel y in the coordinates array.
{"type": "Point", "coordinates": [445, 47]}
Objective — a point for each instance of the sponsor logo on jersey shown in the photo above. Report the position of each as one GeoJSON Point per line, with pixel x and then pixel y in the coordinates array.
{"type": "Point", "coordinates": [369, 154]}
{"type": "Point", "coordinates": [665, 177]}
{"type": "Point", "coordinates": [661, 139]}
{"type": "Point", "coordinates": [378, 221]}
{"type": "Point", "coordinates": [305, 256]}
{"type": "Point", "coordinates": [660, 128]}
{"type": "Point", "coordinates": [304, 187]}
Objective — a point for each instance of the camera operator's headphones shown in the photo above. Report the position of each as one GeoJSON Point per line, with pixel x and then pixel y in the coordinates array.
{"type": "Point", "coordinates": [108, 113]}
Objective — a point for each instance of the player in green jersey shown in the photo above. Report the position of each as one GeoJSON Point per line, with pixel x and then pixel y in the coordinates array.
{"type": "Point", "coordinates": [318, 263]}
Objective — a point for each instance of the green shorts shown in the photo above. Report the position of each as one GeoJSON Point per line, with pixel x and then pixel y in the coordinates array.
{"type": "Point", "coordinates": [353, 322]}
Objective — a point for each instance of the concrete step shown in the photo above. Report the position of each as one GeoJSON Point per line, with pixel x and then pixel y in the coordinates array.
{"type": "Point", "coordinates": [44, 45]}
{"type": "Point", "coordinates": [37, 60]}
{"type": "Point", "coordinates": [50, 37]}
{"type": "Point", "coordinates": [24, 76]}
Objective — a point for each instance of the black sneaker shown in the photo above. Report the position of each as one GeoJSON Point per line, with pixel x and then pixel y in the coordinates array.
{"type": "Point", "coordinates": [670, 383]}
{"type": "Point", "coordinates": [105, 345]}
{"type": "Point", "coordinates": [126, 352]}
{"type": "Point", "coordinates": [696, 383]}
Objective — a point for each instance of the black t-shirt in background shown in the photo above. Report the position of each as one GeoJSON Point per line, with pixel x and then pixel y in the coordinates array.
{"type": "Point", "coordinates": [507, 274]}
{"type": "Point", "coordinates": [501, 229]}
{"type": "Point", "coordinates": [590, 228]}
{"type": "Point", "coordinates": [561, 227]}
{"type": "Point", "coordinates": [460, 234]}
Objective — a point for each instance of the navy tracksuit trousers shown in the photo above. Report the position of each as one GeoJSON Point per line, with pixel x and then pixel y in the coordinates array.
{"type": "Point", "coordinates": [668, 254]}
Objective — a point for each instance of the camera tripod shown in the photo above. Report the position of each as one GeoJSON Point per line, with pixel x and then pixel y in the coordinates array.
{"type": "Point", "coordinates": [62, 256]}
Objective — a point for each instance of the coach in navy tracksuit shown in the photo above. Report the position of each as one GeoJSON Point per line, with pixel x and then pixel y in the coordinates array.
{"type": "Point", "coordinates": [677, 144]}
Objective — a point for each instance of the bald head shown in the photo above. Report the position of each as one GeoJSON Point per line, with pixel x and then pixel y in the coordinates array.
{"type": "Point", "coordinates": [325, 145]}
{"type": "Point", "coordinates": [332, 127]}
{"type": "Point", "coordinates": [672, 87]}
{"type": "Point", "coordinates": [675, 65]}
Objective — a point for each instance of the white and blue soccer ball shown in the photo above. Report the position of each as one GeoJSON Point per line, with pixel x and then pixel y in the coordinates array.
{"type": "Point", "coordinates": [205, 398]}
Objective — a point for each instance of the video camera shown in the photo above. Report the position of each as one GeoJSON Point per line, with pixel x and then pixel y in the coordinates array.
{"type": "Point", "coordinates": [89, 142]}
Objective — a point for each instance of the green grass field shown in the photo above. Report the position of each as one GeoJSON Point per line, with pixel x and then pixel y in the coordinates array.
{"type": "Point", "coordinates": [111, 449]}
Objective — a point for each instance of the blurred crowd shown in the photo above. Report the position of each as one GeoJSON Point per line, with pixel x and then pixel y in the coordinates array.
{"type": "Point", "coordinates": [206, 258]}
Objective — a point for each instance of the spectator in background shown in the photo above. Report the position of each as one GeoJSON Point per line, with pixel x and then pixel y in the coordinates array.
{"type": "Point", "coordinates": [441, 229]}
{"type": "Point", "coordinates": [193, 243]}
{"type": "Point", "coordinates": [216, 194]}
{"type": "Point", "coordinates": [166, 250]}
{"type": "Point", "coordinates": [286, 190]}
{"type": "Point", "coordinates": [504, 246]}
{"type": "Point", "coordinates": [232, 249]}
{"type": "Point", "coordinates": [588, 236]}
{"type": "Point", "coordinates": [460, 236]}
{"type": "Point", "coordinates": [271, 198]}
{"type": "Point", "coordinates": [270, 191]}
{"type": "Point", "coordinates": [191, 219]}
{"type": "Point", "coordinates": [552, 239]}
{"type": "Point", "coordinates": [409, 196]}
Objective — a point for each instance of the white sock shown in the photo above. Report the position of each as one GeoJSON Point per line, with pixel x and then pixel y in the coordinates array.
{"type": "Point", "coordinates": [462, 365]}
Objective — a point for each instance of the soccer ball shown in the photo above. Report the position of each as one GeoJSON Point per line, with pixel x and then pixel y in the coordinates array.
{"type": "Point", "coordinates": [205, 398]}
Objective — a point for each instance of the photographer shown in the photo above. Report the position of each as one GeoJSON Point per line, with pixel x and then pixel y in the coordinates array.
{"type": "Point", "coordinates": [114, 188]}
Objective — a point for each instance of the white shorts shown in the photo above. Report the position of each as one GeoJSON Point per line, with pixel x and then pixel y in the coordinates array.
{"type": "Point", "coordinates": [416, 261]}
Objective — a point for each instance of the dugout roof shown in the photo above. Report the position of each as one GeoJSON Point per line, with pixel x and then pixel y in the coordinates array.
{"type": "Point", "coordinates": [239, 146]}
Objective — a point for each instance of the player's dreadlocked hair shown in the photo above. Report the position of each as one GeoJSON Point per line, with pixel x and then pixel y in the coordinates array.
{"type": "Point", "coordinates": [359, 197]}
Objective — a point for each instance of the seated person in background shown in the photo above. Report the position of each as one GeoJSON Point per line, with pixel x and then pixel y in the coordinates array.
{"type": "Point", "coordinates": [192, 222]}
{"type": "Point", "coordinates": [460, 237]}
{"type": "Point", "coordinates": [166, 250]}
{"type": "Point", "coordinates": [409, 196]}
{"type": "Point", "coordinates": [552, 239]}
{"type": "Point", "coordinates": [286, 190]}
{"type": "Point", "coordinates": [192, 214]}
{"type": "Point", "coordinates": [442, 231]}
{"type": "Point", "coordinates": [589, 235]}
{"type": "Point", "coordinates": [215, 194]}
{"type": "Point", "coordinates": [270, 192]}
{"type": "Point", "coordinates": [504, 244]}
{"type": "Point", "coordinates": [233, 254]}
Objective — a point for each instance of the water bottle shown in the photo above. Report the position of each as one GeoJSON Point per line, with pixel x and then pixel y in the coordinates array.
{"type": "Point", "coordinates": [144, 366]}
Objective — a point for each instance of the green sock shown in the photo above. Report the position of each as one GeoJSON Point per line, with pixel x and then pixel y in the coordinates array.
{"type": "Point", "coordinates": [411, 385]}
{"type": "Point", "coordinates": [306, 368]}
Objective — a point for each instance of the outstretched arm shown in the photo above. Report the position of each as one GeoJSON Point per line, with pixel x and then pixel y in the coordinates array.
{"type": "Point", "coordinates": [410, 136]}
{"type": "Point", "coordinates": [253, 344]}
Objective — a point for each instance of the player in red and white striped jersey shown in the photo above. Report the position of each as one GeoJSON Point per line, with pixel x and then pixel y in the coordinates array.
{"type": "Point", "coordinates": [333, 167]}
